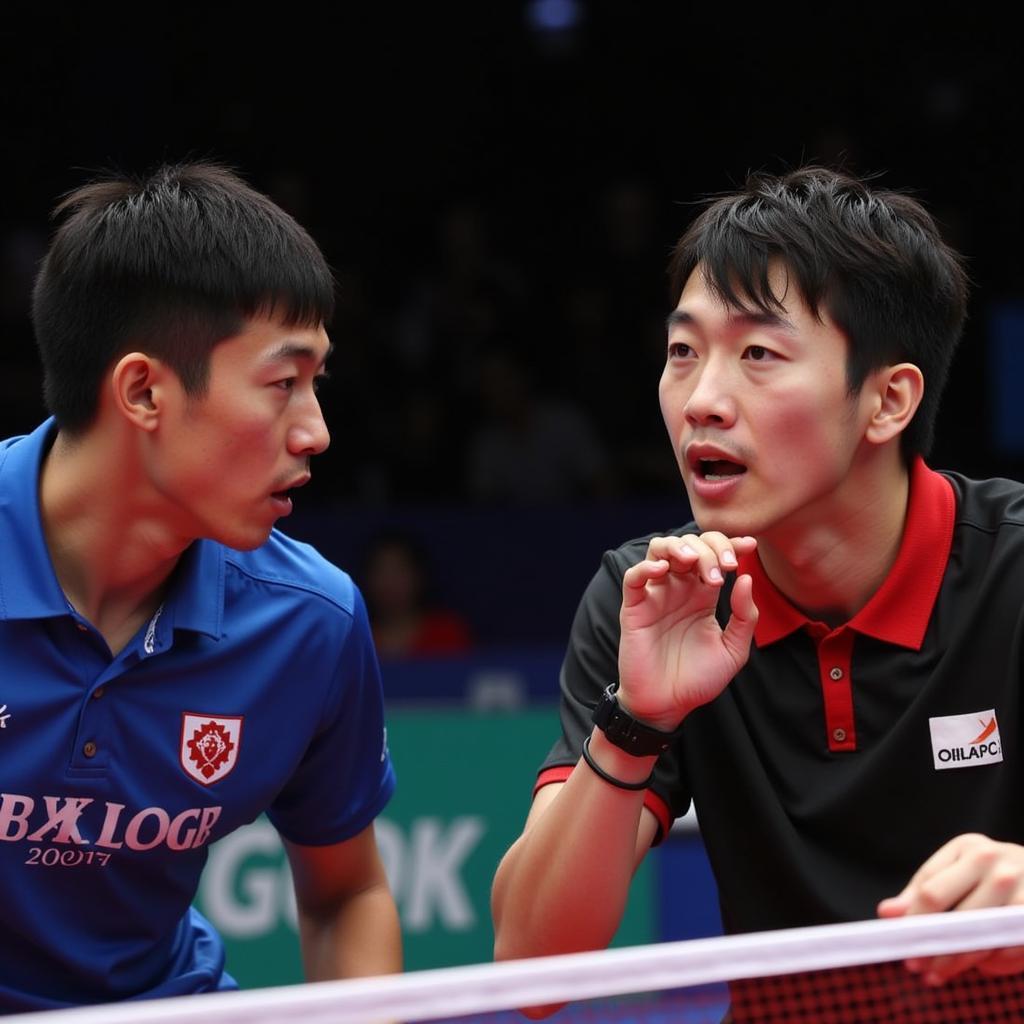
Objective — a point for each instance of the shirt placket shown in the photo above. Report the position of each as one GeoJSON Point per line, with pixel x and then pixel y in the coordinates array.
{"type": "Point", "coordinates": [835, 652]}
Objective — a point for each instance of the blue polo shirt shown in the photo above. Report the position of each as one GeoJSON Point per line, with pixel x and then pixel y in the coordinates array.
{"type": "Point", "coordinates": [254, 688]}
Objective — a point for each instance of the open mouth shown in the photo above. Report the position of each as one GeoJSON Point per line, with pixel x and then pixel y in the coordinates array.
{"type": "Point", "coordinates": [285, 493]}
{"type": "Point", "coordinates": [719, 469]}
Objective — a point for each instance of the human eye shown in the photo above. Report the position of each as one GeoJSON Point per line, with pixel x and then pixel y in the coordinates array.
{"type": "Point", "coordinates": [679, 350]}
{"type": "Point", "coordinates": [758, 354]}
{"type": "Point", "coordinates": [285, 384]}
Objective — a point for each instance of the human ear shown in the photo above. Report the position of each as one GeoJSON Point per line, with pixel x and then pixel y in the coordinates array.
{"type": "Point", "coordinates": [896, 393]}
{"type": "Point", "coordinates": [135, 383]}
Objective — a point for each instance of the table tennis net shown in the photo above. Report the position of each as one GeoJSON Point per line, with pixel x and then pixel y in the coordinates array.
{"type": "Point", "coordinates": [837, 974]}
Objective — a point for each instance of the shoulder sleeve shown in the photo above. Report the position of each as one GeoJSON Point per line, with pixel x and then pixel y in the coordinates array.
{"type": "Point", "coordinates": [589, 666]}
{"type": "Point", "coordinates": [345, 777]}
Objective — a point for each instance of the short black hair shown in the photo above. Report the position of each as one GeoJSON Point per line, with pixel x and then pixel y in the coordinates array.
{"type": "Point", "coordinates": [874, 260]}
{"type": "Point", "coordinates": [169, 264]}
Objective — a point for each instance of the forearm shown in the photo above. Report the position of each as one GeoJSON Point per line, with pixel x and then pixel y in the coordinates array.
{"type": "Point", "coordinates": [360, 937]}
{"type": "Point", "coordinates": [563, 885]}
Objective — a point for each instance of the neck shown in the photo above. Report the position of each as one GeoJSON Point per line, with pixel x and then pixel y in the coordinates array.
{"type": "Point", "coordinates": [111, 553]}
{"type": "Point", "coordinates": [831, 562]}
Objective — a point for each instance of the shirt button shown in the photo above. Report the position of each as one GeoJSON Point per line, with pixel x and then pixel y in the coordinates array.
{"type": "Point", "coordinates": [836, 674]}
{"type": "Point", "coordinates": [89, 749]}
{"type": "Point", "coordinates": [98, 692]}
{"type": "Point", "coordinates": [839, 735]}
{"type": "Point", "coordinates": [82, 627]}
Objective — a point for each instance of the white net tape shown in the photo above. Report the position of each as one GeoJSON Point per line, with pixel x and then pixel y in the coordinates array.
{"type": "Point", "coordinates": [454, 991]}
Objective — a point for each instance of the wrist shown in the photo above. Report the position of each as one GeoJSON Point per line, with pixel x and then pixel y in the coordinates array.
{"type": "Point", "coordinates": [616, 762]}
{"type": "Point", "coordinates": [667, 723]}
{"type": "Point", "coordinates": [625, 731]}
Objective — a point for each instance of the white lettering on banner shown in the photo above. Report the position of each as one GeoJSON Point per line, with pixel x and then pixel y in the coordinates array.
{"type": "Point", "coordinates": [425, 870]}
{"type": "Point", "coordinates": [246, 889]}
{"type": "Point", "coordinates": [438, 857]}
{"type": "Point", "coordinates": [244, 901]}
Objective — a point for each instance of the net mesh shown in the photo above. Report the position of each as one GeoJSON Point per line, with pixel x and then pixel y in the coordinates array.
{"type": "Point", "coordinates": [838, 974]}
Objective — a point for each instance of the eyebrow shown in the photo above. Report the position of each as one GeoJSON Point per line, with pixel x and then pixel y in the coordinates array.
{"type": "Point", "coordinates": [293, 350]}
{"type": "Point", "coordinates": [740, 318]}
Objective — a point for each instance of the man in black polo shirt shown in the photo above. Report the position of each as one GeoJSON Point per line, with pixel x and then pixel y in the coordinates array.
{"type": "Point", "coordinates": [858, 757]}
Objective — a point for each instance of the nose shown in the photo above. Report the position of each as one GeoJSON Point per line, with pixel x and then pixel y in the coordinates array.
{"type": "Point", "coordinates": [711, 402]}
{"type": "Point", "coordinates": [309, 434]}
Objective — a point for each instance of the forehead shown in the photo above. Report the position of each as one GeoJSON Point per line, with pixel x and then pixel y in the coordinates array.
{"type": "Point", "coordinates": [700, 302]}
{"type": "Point", "coordinates": [267, 339]}
{"type": "Point", "coordinates": [780, 287]}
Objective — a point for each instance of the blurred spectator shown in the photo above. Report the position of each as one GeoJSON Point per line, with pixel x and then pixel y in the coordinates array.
{"type": "Point", "coordinates": [467, 293]}
{"type": "Point", "coordinates": [531, 449]}
{"type": "Point", "coordinates": [405, 619]}
{"type": "Point", "coordinates": [21, 391]}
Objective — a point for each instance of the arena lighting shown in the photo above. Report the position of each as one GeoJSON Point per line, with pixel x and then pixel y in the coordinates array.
{"type": "Point", "coordinates": [551, 16]}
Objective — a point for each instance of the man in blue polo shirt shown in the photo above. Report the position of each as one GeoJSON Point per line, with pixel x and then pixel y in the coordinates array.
{"type": "Point", "coordinates": [170, 665]}
{"type": "Point", "coordinates": [827, 662]}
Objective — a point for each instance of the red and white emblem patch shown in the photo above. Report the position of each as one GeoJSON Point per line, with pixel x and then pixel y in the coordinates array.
{"type": "Point", "coordinates": [209, 746]}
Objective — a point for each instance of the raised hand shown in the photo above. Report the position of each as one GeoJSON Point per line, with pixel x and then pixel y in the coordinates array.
{"type": "Point", "coordinates": [673, 655]}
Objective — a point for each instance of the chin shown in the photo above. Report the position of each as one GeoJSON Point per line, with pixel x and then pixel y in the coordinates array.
{"type": "Point", "coordinates": [730, 524]}
{"type": "Point", "coordinates": [241, 539]}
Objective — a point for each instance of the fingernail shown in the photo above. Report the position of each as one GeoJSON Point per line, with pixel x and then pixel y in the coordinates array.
{"type": "Point", "coordinates": [728, 558]}
{"type": "Point", "coordinates": [715, 575]}
{"type": "Point", "coordinates": [687, 550]}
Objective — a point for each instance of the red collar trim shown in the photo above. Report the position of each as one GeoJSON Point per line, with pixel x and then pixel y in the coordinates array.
{"type": "Point", "coordinates": [899, 611]}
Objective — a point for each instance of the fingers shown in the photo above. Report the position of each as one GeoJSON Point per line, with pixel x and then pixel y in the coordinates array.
{"type": "Point", "coordinates": [936, 970]}
{"type": "Point", "coordinates": [967, 873]}
{"type": "Point", "coordinates": [983, 877]}
{"type": "Point", "coordinates": [636, 578]}
{"type": "Point", "coordinates": [1003, 961]}
{"type": "Point", "coordinates": [710, 555]}
{"type": "Point", "coordinates": [739, 630]}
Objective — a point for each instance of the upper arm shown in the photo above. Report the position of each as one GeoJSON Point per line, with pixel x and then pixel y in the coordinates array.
{"type": "Point", "coordinates": [326, 875]}
{"type": "Point", "coordinates": [344, 778]}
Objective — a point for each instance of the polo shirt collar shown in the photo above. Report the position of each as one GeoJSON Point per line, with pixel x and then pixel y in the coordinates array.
{"type": "Point", "coordinates": [198, 592]}
{"type": "Point", "coordinates": [898, 612]}
{"type": "Point", "coordinates": [28, 583]}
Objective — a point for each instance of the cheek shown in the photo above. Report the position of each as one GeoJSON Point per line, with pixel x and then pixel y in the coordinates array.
{"type": "Point", "coordinates": [672, 402]}
{"type": "Point", "coordinates": [245, 427]}
{"type": "Point", "coordinates": [810, 428]}
{"type": "Point", "coordinates": [225, 448]}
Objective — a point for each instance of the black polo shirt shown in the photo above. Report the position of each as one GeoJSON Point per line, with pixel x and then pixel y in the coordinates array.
{"type": "Point", "coordinates": [838, 760]}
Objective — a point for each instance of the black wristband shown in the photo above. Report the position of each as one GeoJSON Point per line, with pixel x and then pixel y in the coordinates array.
{"type": "Point", "coordinates": [610, 779]}
{"type": "Point", "coordinates": [624, 731]}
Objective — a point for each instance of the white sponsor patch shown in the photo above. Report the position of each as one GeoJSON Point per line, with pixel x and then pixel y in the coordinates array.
{"type": "Point", "coordinates": [964, 741]}
{"type": "Point", "coordinates": [209, 746]}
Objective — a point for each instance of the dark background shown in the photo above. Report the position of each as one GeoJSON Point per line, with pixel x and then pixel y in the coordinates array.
{"type": "Point", "coordinates": [499, 200]}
